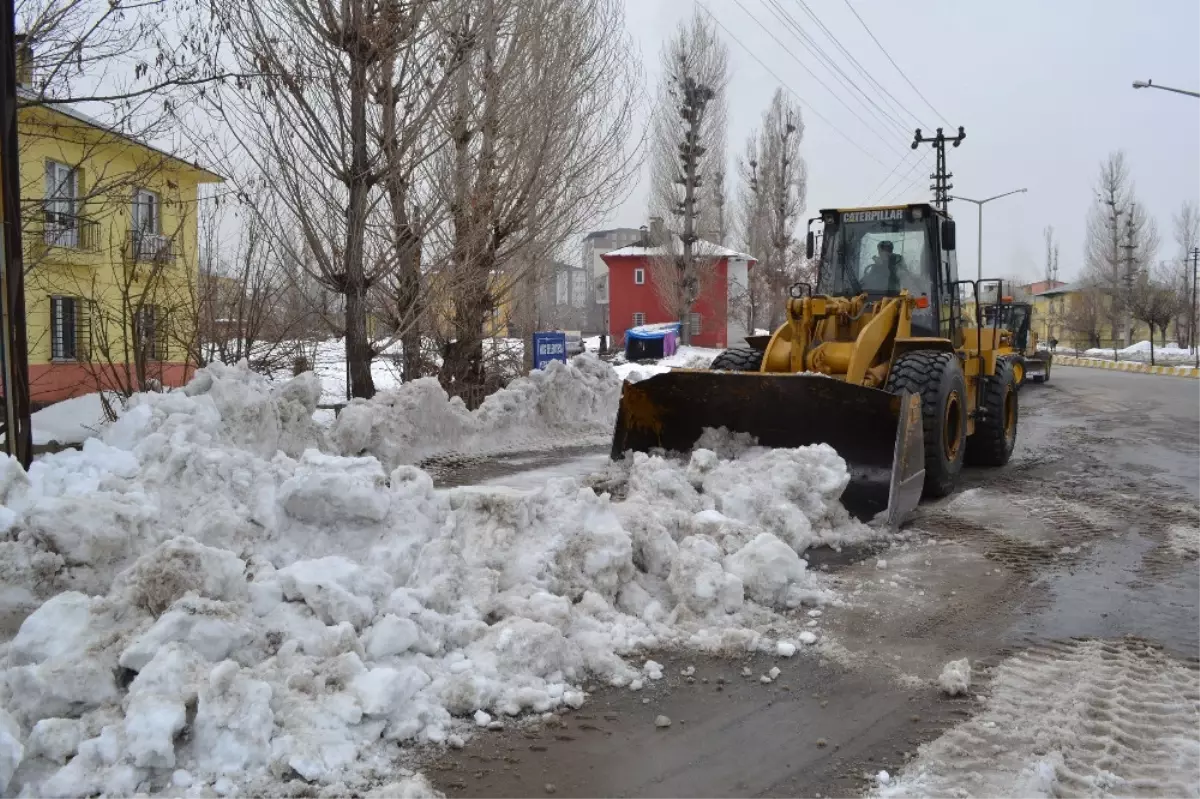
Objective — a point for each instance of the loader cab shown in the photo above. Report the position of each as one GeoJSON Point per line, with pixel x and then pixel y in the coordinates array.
{"type": "Point", "coordinates": [1015, 317]}
{"type": "Point", "coordinates": [881, 251]}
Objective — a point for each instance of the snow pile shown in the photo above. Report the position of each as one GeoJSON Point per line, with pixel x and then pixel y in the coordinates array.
{"type": "Point", "coordinates": [563, 403]}
{"type": "Point", "coordinates": [683, 358]}
{"type": "Point", "coordinates": [72, 420]}
{"type": "Point", "coordinates": [215, 606]}
{"type": "Point", "coordinates": [955, 678]}
{"type": "Point", "coordinates": [1140, 351]}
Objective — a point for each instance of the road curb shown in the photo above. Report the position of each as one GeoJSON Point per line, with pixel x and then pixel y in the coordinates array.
{"type": "Point", "coordinates": [1128, 366]}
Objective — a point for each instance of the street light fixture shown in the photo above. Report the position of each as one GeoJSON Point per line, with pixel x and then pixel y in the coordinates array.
{"type": "Point", "coordinates": [980, 204]}
{"type": "Point", "coordinates": [1149, 84]}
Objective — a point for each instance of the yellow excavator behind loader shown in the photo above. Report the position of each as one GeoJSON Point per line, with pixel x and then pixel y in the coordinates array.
{"type": "Point", "coordinates": [877, 360]}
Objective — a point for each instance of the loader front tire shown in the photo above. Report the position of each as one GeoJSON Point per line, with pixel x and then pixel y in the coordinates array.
{"type": "Point", "coordinates": [738, 359]}
{"type": "Point", "coordinates": [996, 427]}
{"type": "Point", "coordinates": [937, 378]}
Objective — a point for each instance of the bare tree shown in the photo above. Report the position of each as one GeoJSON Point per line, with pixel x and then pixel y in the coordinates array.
{"type": "Point", "coordinates": [687, 184]}
{"type": "Point", "coordinates": [538, 124]}
{"type": "Point", "coordinates": [1084, 314]}
{"type": "Point", "coordinates": [1155, 301]}
{"type": "Point", "coordinates": [347, 94]}
{"type": "Point", "coordinates": [773, 197]}
{"type": "Point", "coordinates": [1187, 239]}
{"type": "Point", "coordinates": [1121, 241]}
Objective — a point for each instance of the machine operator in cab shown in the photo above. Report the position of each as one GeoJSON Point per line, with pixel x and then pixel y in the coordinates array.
{"type": "Point", "coordinates": [888, 274]}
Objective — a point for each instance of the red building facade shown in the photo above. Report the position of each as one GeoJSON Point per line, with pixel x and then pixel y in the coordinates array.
{"type": "Point", "coordinates": [633, 299]}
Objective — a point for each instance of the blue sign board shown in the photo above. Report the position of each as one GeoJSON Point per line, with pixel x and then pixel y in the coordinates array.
{"type": "Point", "coordinates": [549, 347]}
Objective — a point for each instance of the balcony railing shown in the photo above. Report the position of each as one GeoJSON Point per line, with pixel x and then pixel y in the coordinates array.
{"type": "Point", "coordinates": [150, 247]}
{"type": "Point", "coordinates": [70, 231]}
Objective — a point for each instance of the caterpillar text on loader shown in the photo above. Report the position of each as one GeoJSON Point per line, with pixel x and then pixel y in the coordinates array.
{"type": "Point", "coordinates": [877, 361]}
{"type": "Point", "coordinates": [1028, 362]}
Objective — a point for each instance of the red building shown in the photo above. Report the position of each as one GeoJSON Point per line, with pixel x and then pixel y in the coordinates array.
{"type": "Point", "coordinates": [633, 300]}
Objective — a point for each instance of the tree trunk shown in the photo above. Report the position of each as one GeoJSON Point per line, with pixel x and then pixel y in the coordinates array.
{"type": "Point", "coordinates": [358, 345]}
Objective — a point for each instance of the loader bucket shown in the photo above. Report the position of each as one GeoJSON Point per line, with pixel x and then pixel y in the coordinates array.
{"type": "Point", "coordinates": [877, 433]}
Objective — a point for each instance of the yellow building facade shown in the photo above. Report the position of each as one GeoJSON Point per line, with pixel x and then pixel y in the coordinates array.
{"type": "Point", "coordinates": [109, 235]}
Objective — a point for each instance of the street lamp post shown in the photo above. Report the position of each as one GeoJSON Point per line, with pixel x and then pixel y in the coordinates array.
{"type": "Point", "coordinates": [979, 204]}
{"type": "Point", "coordinates": [1149, 84]}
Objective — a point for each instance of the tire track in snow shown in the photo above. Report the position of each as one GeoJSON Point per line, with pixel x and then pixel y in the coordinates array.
{"type": "Point", "coordinates": [1083, 718]}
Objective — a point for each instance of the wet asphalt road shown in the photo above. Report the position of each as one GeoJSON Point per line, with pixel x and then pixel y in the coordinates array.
{"type": "Point", "coordinates": [1089, 533]}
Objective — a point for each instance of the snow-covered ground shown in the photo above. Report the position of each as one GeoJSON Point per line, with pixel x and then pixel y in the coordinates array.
{"type": "Point", "coordinates": [1087, 718]}
{"type": "Point", "coordinates": [1140, 351]}
{"type": "Point", "coordinates": [214, 597]}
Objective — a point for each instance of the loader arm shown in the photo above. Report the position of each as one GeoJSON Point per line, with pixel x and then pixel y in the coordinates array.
{"type": "Point", "coordinates": [892, 321]}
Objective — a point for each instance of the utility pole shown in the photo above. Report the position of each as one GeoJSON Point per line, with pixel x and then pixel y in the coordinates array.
{"type": "Point", "coordinates": [1195, 342]}
{"type": "Point", "coordinates": [18, 436]}
{"type": "Point", "coordinates": [941, 178]}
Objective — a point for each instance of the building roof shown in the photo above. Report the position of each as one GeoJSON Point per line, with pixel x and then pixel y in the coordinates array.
{"type": "Point", "coordinates": [1065, 288]}
{"type": "Point", "coordinates": [595, 234]}
{"type": "Point", "coordinates": [703, 248]}
{"type": "Point", "coordinates": [63, 110]}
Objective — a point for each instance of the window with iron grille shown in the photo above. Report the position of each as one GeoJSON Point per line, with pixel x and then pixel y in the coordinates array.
{"type": "Point", "coordinates": [639, 319]}
{"type": "Point", "coordinates": [695, 324]}
{"type": "Point", "coordinates": [150, 333]}
{"type": "Point", "coordinates": [65, 328]}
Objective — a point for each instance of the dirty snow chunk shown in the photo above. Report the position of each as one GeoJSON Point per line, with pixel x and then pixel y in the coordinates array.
{"type": "Point", "coordinates": [178, 566]}
{"type": "Point", "coordinates": [662, 722]}
{"type": "Point", "coordinates": [381, 690]}
{"type": "Point", "coordinates": [881, 564]}
{"type": "Point", "coordinates": [636, 685]}
{"type": "Point", "coordinates": [211, 628]}
{"type": "Point", "coordinates": [414, 787]}
{"type": "Point", "coordinates": [327, 489]}
{"type": "Point", "coordinates": [151, 724]}
{"type": "Point", "coordinates": [883, 778]}
{"type": "Point", "coordinates": [697, 579]}
{"type": "Point", "coordinates": [653, 670]}
{"type": "Point", "coordinates": [771, 571]}
{"type": "Point", "coordinates": [807, 638]}
{"type": "Point", "coordinates": [482, 718]}
{"type": "Point", "coordinates": [785, 649]}
{"type": "Point", "coordinates": [59, 627]}
{"type": "Point", "coordinates": [955, 678]}
{"type": "Point", "coordinates": [11, 749]}
{"type": "Point", "coordinates": [336, 588]}
{"type": "Point", "coordinates": [391, 635]}
{"type": "Point", "coordinates": [765, 680]}
{"type": "Point", "coordinates": [688, 671]}
{"type": "Point", "coordinates": [234, 722]}
{"type": "Point", "coordinates": [55, 739]}
{"type": "Point", "coordinates": [774, 672]}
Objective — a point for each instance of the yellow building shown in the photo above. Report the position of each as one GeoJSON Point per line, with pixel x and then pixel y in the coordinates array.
{"type": "Point", "coordinates": [109, 231]}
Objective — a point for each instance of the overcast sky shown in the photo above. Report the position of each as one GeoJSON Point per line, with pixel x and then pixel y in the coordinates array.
{"type": "Point", "coordinates": [1041, 86]}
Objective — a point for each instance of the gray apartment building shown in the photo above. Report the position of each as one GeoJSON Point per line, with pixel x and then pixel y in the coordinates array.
{"type": "Point", "coordinates": [596, 244]}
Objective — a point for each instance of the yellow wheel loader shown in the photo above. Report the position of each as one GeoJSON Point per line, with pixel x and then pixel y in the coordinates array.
{"type": "Point", "coordinates": [878, 360]}
{"type": "Point", "coordinates": [1028, 361]}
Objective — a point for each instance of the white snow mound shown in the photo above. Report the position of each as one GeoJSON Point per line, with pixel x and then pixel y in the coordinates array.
{"type": "Point", "coordinates": [211, 604]}
{"type": "Point", "coordinates": [565, 403]}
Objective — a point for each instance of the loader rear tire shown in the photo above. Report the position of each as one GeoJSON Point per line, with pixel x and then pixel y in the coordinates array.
{"type": "Point", "coordinates": [996, 427]}
{"type": "Point", "coordinates": [937, 378]}
{"type": "Point", "coordinates": [738, 359]}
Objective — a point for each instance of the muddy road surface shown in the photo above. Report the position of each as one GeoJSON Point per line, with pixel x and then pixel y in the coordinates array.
{"type": "Point", "coordinates": [1070, 579]}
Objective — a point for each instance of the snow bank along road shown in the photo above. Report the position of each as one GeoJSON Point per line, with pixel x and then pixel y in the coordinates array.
{"type": "Point", "coordinates": [220, 597]}
{"type": "Point", "coordinates": [1069, 580]}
